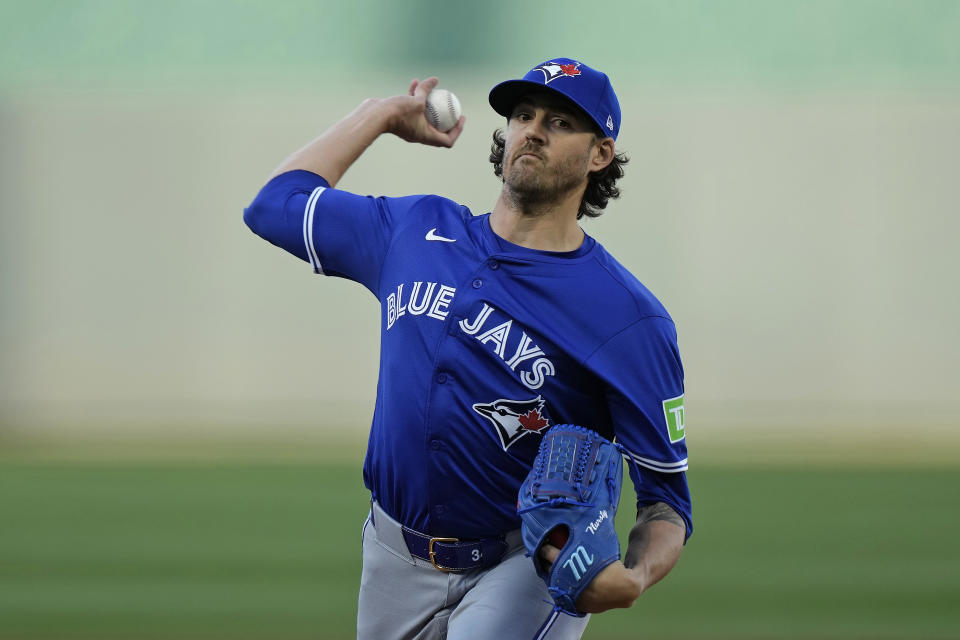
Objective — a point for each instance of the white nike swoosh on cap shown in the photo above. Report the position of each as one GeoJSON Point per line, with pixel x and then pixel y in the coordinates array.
{"type": "Point", "coordinates": [433, 236]}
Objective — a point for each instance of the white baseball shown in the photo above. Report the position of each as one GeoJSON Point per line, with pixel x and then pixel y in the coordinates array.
{"type": "Point", "coordinates": [443, 109]}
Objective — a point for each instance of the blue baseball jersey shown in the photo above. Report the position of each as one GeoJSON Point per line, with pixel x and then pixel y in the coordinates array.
{"type": "Point", "coordinates": [485, 345]}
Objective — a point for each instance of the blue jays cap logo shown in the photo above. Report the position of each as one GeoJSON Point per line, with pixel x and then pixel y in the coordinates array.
{"type": "Point", "coordinates": [553, 70]}
{"type": "Point", "coordinates": [592, 91]}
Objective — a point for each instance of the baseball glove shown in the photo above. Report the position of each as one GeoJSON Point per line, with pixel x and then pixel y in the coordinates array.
{"type": "Point", "coordinates": [569, 499]}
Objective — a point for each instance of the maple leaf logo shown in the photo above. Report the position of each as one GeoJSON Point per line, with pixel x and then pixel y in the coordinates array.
{"type": "Point", "coordinates": [532, 420]}
{"type": "Point", "coordinates": [570, 69]}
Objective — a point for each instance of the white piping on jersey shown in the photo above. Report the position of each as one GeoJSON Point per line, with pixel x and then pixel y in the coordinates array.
{"type": "Point", "coordinates": [547, 624]}
{"type": "Point", "coordinates": [656, 465]}
{"type": "Point", "coordinates": [308, 229]}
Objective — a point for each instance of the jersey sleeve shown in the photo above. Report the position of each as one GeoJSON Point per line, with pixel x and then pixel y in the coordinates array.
{"type": "Point", "coordinates": [338, 233]}
{"type": "Point", "coordinates": [644, 377]}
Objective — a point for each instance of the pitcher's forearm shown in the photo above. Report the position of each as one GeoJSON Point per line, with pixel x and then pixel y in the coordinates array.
{"type": "Point", "coordinates": [333, 152]}
{"type": "Point", "coordinates": [655, 544]}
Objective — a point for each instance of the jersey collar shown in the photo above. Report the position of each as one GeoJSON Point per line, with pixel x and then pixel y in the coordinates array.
{"type": "Point", "coordinates": [498, 246]}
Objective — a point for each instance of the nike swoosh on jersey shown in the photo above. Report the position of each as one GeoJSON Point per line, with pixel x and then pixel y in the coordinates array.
{"type": "Point", "coordinates": [433, 236]}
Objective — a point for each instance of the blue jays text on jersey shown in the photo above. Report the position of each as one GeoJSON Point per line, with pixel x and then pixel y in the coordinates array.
{"type": "Point", "coordinates": [485, 344]}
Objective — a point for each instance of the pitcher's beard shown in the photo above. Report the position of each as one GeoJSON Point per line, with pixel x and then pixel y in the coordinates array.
{"type": "Point", "coordinates": [533, 189]}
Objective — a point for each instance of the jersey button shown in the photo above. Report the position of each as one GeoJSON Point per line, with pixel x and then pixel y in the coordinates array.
{"type": "Point", "coordinates": [436, 445]}
{"type": "Point", "coordinates": [477, 283]}
{"type": "Point", "coordinates": [439, 509]}
{"type": "Point", "coordinates": [441, 377]}
{"type": "Point", "coordinates": [493, 264]}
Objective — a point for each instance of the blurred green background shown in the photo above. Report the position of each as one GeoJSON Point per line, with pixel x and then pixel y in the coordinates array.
{"type": "Point", "coordinates": [175, 463]}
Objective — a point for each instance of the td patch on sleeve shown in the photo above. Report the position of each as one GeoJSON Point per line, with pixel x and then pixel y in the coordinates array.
{"type": "Point", "coordinates": [673, 412]}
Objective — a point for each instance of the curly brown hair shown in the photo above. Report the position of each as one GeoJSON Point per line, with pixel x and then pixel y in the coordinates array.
{"type": "Point", "coordinates": [601, 185]}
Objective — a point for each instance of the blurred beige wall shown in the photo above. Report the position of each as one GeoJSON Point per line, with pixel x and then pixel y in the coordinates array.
{"type": "Point", "coordinates": [792, 198]}
{"type": "Point", "coordinates": [802, 241]}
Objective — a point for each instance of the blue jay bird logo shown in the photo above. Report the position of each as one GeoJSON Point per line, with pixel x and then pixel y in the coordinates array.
{"type": "Point", "coordinates": [514, 419]}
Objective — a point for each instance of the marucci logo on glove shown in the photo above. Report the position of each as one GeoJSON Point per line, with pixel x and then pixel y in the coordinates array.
{"type": "Point", "coordinates": [578, 562]}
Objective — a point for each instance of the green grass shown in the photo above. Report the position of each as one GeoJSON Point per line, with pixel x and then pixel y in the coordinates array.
{"type": "Point", "coordinates": [250, 550]}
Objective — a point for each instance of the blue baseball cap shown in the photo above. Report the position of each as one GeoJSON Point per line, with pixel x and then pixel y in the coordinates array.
{"type": "Point", "coordinates": [586, 87]}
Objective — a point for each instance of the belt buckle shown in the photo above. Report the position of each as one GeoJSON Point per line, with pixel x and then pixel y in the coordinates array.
{"type": "Point", "coordinates": [433, 554]}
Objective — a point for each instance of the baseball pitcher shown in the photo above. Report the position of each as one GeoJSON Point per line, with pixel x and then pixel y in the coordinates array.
{"type": "Point", "coordinates": [521, 366]}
